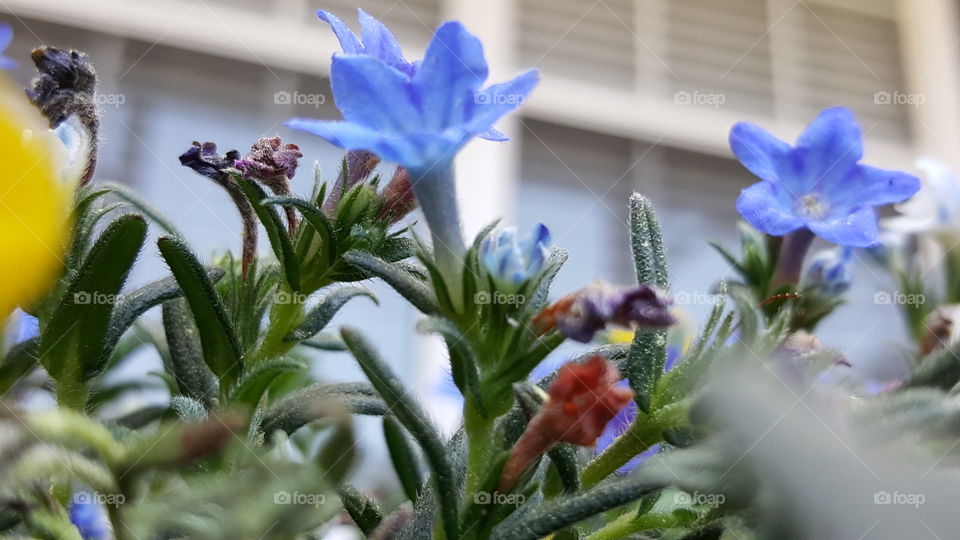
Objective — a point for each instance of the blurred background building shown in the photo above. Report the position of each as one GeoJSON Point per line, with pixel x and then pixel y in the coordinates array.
{"type": "Point", "coordinates": [637, 95]}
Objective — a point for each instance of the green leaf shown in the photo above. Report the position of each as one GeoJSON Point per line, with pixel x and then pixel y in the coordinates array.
{"type": "Point", "coordinates": [396, 248]}
{"type": "Point", "coordinates": [315, 217]}
{"type": "Point", "coordinates": [72, 347]}
{"type": "Point", "coordinates": [18, 363]}
{"type": "Point", "coordinates": [405, 460]}
{"type": "Point", "coordinates": [320, 316]}
{"type": "Point", "coordinates": [463, 360]}
{"type": "Point", "coordinates": [402, 281]}
{"type": "Point", "coordinates": [131, 306]}
{"type": "Point", "coordinates": [255, 382]}
{"type": "Point", "coordinates": [325, 341]}
{"type": "Point", "coordinates": [363, 510]}
{"type": "Point", "coordinates": [186, 364]}
{"type": "Point", "coordinates": [131, 196]}
{"type": "Point", "coordinates": [648, 354]}
{"type": "Point", "coordinates": [564, 459]}
{"type": "Point", "coordinates": [221, 349]}
{"type": "Point", "coordinates": [276, 231]}
{"type": "Point", "coordinates": [566, 510]}
{"type": "Point", "coordinates": [299, 408]}
{"type": "Point", "coordinates": [413, 417]}
{"type": "Point", "coordinates": [941, 369]}
{"type": "Point", "coordinates": [649, 254]}
{"type": "Point", "coordinates": [337, 454]}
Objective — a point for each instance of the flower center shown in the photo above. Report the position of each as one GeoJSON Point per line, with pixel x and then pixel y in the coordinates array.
{"type": "Point", "coordinates": [811, 205]}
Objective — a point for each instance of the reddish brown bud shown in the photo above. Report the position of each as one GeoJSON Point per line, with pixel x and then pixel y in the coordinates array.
{"type": "Point", "coordinates": [201, 440]}
{"type": "Point", "coordinates": [397, 199]}
{"type": "Point", "coordinates": [583, 399]}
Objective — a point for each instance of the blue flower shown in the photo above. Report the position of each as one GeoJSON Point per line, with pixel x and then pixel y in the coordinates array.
{"type": "Point", "coordinates": [625, 417]}
{"type": "Point", "coordinates": [829, 270]}
{"type": "Point", "coordinates": [6, 37]}
{"type": "Point", "coordinates": [378, 41]}
{"type": "Point", "coordinates": [89, 518]}
{"type": "Point", "coordinates": [817, 184]}
{"type": "Point", "coordinates": [416, 115]}
{"type": "Point", "coordinates": [511, 261]}
{"type": "Point", "coordinates": [28, 327]}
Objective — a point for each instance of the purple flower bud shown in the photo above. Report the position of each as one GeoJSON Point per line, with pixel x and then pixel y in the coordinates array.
{"type": "Point", "coordinates": [205, 161]}
{"type": "Point", "coordinates": [66, 84]}
{"type": "Point", "coordinates": [271, 162]}
{"type": "Point", "coordinates": [64, 89]}
{"type": "Point", "coordinates": [582, 314]}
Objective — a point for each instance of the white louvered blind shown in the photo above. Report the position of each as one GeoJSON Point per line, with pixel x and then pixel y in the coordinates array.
{"type": "Point", "coordinates": [846, 57]}
{"type": "Point", "coordinates": [721, 47]}
{"type": "Point", "coordinates": [588, 40]}
{"type": "Point", "coordinates": [777, 58]}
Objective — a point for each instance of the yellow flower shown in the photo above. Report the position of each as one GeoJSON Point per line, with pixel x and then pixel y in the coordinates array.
{"type": "Point", "coordinates": [34, 203]}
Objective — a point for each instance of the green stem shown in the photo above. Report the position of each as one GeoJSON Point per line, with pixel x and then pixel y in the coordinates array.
{"type": "Point", "coordinates": [630, 523]}
{"type": "Point", "coordinates": [72, 395]}
{"type": "Point", "coordinates": [479, 445]}
{"type": "Point", "coordinates": [284, 318]}
{"type": "Point", "coordinates": [641, 435]}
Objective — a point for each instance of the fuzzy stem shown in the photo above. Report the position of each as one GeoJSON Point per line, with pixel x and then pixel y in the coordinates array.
{"type": "Point", "coordinates": [92, 124]}
{"type": "Point", "coordinates": [247, 216]}
{"type": "Point", "coordinates": [435, 190]}
{"type": "Point", "coordinates": [72, 395]}
{"type": "Point", "coordinates": [641, 435]}
{"type": "Point", "coordinates": [479, 444]}
{"type": "Point", "coordinates": [792, 252]}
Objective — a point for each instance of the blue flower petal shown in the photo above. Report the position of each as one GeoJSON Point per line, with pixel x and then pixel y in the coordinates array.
{"type": "Point", "coordinates": [857, 229]}
{"type": "Point", "coordinates": [833, 141]}
{"type": "Point", "coordinates": [758, 150]}
{"type": "Point", "coordinates": [872, 186]}
{"type": "Point", "coordinates": [760, 206]}
{"type": "Point", "coordinates": [6, 37]}
{"type": "Point", "coordinates": [348, 40]}
{"type": "Point", "coordinates": [372, 94]}
{"type": "Point", "coordinates": [452, 70]}
{"type": "Point", "coordinates": [494, 135]}
{"type": "Point", "coordinates": [494, 102]}
{"type": "Point", "coordinates": [416, 152]}
{"type": "Point", "coordinates": [379, 42]}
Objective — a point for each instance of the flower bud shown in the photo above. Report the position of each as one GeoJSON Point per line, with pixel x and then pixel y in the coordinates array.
{"type": "Point", "coordinates": [582, 400]}
{"type": "Point", "coordinates": [271, 162]}
{"type": "Point", "coordinates": [582, 314]}
{"type": "Point", "coordinates": [65, 88]}
{"type": "Point", "coordinates": [397, 200]}
{"type": "Point", "coordinates": [274, 164]}
{"type": "Point", "coordinates": [206, 161]}
{"type": "Point", "coordinates": [512, 262]}
{"type": "Point", "coordinates": [829, 270]}
{"type": "Point", "coordinates": [359, 164]}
